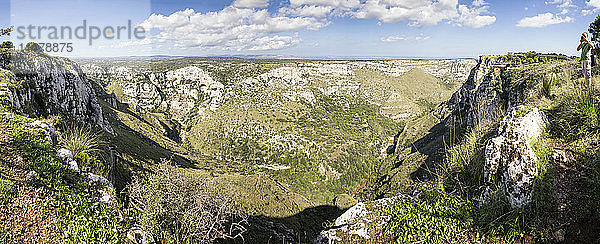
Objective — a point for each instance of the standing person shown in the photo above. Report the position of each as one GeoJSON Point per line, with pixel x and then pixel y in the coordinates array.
{"type": "Point", "coordinates": [586, 63]}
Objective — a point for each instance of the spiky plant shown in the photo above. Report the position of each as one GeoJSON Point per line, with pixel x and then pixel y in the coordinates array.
{"type": "Point", "coordinates": [86, 145]}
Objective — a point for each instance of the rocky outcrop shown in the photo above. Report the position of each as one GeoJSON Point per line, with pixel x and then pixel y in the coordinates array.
{"type": "Point", "coordinates": [358, 222]}
{"type": "Point", "coordinates": [185, 87]}
{"type": "Point", "coordinates": [43, 86]}
{"type": "Point", "coordinates": [490, 90]}
{"type": "Point", "coordinates": [511, 162]}
{"type": "Point", "coordinates": [100, 187]}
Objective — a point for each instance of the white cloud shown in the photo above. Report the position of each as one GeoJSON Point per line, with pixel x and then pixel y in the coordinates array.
{"type": "Point", "coordinates": [542, 20]}
{"type": "Point", "coordinates": [337, 4]}
{"type": "Point", "coordinates": [586, 12]}
{"type": "Point", "coordinates": [418, 13]}
{"type": "Point", "coordinates": [471, 17]}
{"type": "Point", "coordinates": [593, 3]}
{"type": "Point", "coordinates": [274, 42]}
{"type": "Point", "coordinates": [561, 3]}
{"type": "Point", "coordinates": [248, 25]}
{"type": "Point", "coordinates": [232, 28]}
{"type": "Point", "coordinates": [479, 3]}
{"type": "Point", "coordinates": [251, 3]}
{"type": "Point", "coordinates": [393, 39]}
{"type": "Point", "coordinates": [308, 10]}
{"type": "Point", "coordinates": [420, 37]}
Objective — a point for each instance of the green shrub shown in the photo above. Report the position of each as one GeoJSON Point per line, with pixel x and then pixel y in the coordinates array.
{"type": "Point", "coordinates": [177, 208]}
{"type": "Point", "coordinates": [437, 218]}
{"type": "Point", "coordinates": [7, 189]}
{"type": "Point", "coordinates": [32, 46]}
{"type": "Point", "coordinates": [7, 45]}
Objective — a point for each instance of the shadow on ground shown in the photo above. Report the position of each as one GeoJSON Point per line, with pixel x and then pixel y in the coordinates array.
{"type": "Point", "coordinates": [303, 227]}
{"type": "Point", "coordinates": [432, 146]}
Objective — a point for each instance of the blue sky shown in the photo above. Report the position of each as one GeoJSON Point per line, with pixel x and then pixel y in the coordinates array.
{"type": "Point", "coordinates": [313, 28]}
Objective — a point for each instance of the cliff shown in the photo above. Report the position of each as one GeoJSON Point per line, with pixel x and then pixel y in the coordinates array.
{"type": "Point", "coordinates": [40, 86]}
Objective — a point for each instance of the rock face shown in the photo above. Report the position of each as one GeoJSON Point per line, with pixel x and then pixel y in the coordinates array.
{"type": "Point", "coordinates": [177, 92]}
{"type": "Point", "coordinates": [102, 189]}
{"type": "Point", "coordinates": [488, 92]}
{"type": "Point", "coordinates": [511, 163]}
{"type": "Point", "coordinates": [45, 85]}
{"type": "Point", "coordinates": [491, 89]}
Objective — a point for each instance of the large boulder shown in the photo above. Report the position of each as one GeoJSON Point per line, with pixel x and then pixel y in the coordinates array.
{"type": "Point", "coordinates": [511, 162]}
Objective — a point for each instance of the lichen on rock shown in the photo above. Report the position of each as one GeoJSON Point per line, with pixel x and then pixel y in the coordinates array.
{"type": "Point", "coordinates": [511, 162]}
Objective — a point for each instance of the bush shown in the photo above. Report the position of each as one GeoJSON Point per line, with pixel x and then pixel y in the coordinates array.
{"type": "Point", "coordinates": [7, 188]}
{"type": "Point", "coordinates": [437, 218]}
{"type": "Point", "coordinates": [6, 31]}
{"type": "Point", "coordinates": [86, 146]}
{"type": "Point", "coordinates": [177, 208]}
{"type": "Point", "coordinates": [32, 46]}
{"type": "Point", "coordinates": [7, 45]}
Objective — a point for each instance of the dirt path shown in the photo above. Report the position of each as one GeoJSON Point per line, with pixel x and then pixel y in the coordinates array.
{"type": "Point", "coordinates": [26, 218]}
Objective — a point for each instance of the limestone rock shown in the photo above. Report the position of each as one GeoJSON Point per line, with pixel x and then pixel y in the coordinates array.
{"type": "Point", "coordinates": [46, 85]}
{"type": "Point", "coordinates": [66, 157]}
{"type": "Point", "coordinates": [49, 131]}
{"type": "Point", "coordinates": [102, 188]}
{"type": "Point", "coordinates": [511, 163]}
{"type": "Point", "coordinates": [177, 92]}
{"type": "Point", "coordinates": [487, 93]}
{"type": "Point", "coordinates": [356, 221]}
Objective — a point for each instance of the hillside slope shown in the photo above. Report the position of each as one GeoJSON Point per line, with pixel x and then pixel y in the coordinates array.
{"type": "Point", "coordinates": [518, 163]}
{"type": "Point", "coordinates": [43, 197]}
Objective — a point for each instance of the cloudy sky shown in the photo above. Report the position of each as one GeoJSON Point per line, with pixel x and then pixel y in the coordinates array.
{"type": "Point", "coordinates": [312, 28]}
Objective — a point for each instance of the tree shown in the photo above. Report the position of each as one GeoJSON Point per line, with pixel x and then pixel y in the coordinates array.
{"type": "Point", "coordinates": [594, 31]}
{"type": "Point", "coordinates": [7, 31]}
{"type": "Point", "coordinates": [32, 46]}
{"type": "Point", "coordinates": [7, 45]}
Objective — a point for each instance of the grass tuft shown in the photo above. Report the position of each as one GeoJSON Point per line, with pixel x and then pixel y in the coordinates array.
{"type": "Point", "coordinates": [86, 146]}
